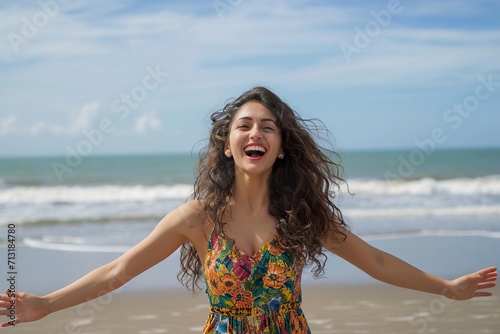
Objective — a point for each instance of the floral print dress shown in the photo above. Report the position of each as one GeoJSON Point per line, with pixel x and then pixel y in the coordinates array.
{"type": "Point", "coordinates": [252, 294]}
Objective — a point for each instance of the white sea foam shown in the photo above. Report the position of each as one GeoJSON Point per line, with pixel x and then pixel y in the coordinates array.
{"type": "Point", "coordinates": [472, 210]}
{"type": "Point", "coordinates": [489, 185]}
{"type": "Point", "coordinates": [432, 233]}
{"type": "Point", "coordinates": [71, 244]}
{"type": "Point", "coordinates": [105, 193]}
{"type": "Point", "coordinates": [72, 247]}
{"type": "Point", "coordinates": [45, 205]}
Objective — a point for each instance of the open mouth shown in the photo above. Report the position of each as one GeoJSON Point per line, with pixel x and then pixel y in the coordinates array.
{"type": "Point", "coordinates": [255, 151]}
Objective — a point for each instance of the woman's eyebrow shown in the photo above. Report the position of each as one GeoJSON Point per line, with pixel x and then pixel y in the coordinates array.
{"type": "Point", "coordinates": [262, 119]}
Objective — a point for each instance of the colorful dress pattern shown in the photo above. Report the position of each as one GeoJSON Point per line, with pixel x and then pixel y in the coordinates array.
{"type": "Point", "coordinates": [252, 294]}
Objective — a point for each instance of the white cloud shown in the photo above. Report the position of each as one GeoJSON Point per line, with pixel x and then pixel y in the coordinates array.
{"type": "Point", "coordinates": [37, 128]}
{"type": "Point", "coordinates": [147, 122]}
{"type": "Point", "coordinates": [85, 117]}
{"type": "Point", "coordinates": [249, 33]}
{"type": "Point", "coordinates": [81, 120]}
{"type": "Point", "coordinates": [7, 125]}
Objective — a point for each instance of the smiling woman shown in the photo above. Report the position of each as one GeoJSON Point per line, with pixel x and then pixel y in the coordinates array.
{"type": "Point", "coordinates": [262, 209]}
{"type": "Point", "coordinates": [260, 118]}
{"type": "Point", "coordinates": [254, 137]}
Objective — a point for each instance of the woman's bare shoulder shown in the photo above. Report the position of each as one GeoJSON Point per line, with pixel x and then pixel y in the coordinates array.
{"type": "Point", "coordinates": [192, 208]}
{"type": "Point", "coordinates": [189, 216]}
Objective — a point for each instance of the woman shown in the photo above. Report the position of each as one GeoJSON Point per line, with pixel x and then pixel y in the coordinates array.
{"type": "Point", "coordinates": [262, 210]}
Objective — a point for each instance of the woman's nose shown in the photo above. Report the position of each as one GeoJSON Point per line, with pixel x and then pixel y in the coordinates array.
{"type": "Point", "coordinates": [255, 132]}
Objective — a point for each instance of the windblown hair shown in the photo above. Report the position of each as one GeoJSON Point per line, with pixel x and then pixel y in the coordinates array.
{"type": "Point", "coordinates": [301, 186]}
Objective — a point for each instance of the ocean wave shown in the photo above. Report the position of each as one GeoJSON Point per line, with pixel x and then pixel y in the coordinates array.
{"type": "Point", "coordinates": [71, 245]}
{"type": "Point", "coordinates": [76, 244]}
{"type": "Point", "coordinates": [52, 205]}
{"type": "Point", "coordinates": [154, 216]}
{"type": "Point", "coordinates": [92, 194]}
{"type": "Point", "coordinates": [488, 185]}
{"type": "Point", "coordinates": [431, 233]}
{"type": "Point", "coordinates": [479, 210]}
{"type": "Point", "coordinates": [481, 186]}
{"type": "Point", "coordinates": [69, 220]}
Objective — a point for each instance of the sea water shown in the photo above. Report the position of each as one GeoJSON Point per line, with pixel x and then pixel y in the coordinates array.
{"type": "Point", "coordinates": [428, 208]}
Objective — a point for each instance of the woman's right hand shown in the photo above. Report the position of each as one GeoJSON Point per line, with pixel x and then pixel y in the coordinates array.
{"type": "Point", "coordinates": [24, 307]}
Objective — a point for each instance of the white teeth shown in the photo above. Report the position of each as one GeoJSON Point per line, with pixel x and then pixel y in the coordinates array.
{"type": "Point", "coordinates": [255, 148]}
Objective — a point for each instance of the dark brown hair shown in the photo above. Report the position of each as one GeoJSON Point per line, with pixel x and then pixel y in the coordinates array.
{"type": "Point", "coordinates": [301, 186]}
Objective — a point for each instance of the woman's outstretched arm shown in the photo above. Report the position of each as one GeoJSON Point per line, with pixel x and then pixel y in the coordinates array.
{"type": "Point", "coordinates": [392, 270]}
{"type": "Point", "coordinates": [170, 233]}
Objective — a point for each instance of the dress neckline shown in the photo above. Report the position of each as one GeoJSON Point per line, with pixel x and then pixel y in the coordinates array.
{"type": "Point", "coordinates": [261, 249]}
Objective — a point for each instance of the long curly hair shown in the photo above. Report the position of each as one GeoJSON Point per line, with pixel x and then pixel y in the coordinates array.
{"type": "Point", "coordinates": [301, 186]}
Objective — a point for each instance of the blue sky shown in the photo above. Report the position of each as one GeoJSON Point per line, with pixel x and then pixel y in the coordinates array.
{"type": "Point", "coordinates": [142, 77]}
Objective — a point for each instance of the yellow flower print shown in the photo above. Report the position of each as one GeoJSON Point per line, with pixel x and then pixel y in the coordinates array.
{"type": "Point", "coordinates": [230, 284]}
{"type": "Point", "coordinates": [242, 299]}
{"type": "Point", "coordinates": [275, 248]}
{"type": "Point", "coordinates": [275, 276]}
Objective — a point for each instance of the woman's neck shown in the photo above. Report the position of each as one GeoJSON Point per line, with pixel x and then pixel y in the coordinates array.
{"type": "Point", "coordinates": [251, 194]}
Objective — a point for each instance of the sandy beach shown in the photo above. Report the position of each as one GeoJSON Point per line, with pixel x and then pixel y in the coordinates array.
{"type": "Point", "coordinates": [370, 309]}
{"type": "Point", "coordinates": [155, 302]}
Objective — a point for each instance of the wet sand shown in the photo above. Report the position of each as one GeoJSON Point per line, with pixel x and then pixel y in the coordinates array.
{"type": "Point", "coordinates": [370, 309]}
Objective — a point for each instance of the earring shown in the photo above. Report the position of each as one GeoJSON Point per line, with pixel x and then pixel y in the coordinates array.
{"type": "Point", "coordinates": [228, 153]}
{"type": "Point", "coordinates": [281, 155]}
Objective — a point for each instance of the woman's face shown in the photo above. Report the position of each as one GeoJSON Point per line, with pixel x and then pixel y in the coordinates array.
{"type": "Point", "coordinates": [254, 139]}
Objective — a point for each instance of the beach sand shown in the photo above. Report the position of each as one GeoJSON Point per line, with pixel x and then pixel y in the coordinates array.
{"type": "Point", "coordinates": [370, 309]}
{"type": "Point", "coordinates": [155, 302]}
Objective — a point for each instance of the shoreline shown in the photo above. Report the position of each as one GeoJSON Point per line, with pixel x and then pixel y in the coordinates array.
{"type": "Point", "coordinates": [345, 301]}
{"type": "Point", "coordinates": [345, 309]}
{"type": "Point", "coordinates": [41, 271]}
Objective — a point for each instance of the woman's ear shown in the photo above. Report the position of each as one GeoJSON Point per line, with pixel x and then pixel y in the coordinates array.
{"type": "Point", "coordinates": [227, 150]}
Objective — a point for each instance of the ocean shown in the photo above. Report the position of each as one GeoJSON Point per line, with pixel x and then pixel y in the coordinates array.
{"type": "Point", "coordinates": [445, 204]}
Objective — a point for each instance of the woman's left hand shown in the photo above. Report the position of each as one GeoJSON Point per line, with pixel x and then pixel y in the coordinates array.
{"type": "Point", "coordinates": [472, 285]}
